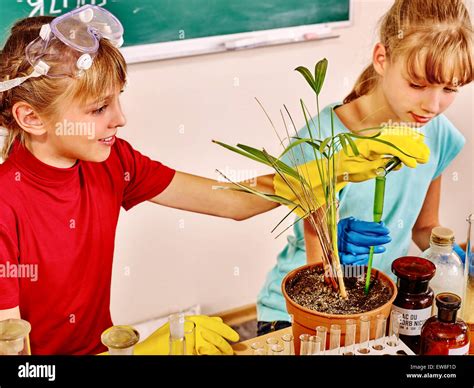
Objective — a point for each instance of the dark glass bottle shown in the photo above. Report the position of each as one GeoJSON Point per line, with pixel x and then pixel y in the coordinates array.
{"type": "Point", "coordinates": [445, 334]}
{"type": "Point", "coordinates": [415, 298]}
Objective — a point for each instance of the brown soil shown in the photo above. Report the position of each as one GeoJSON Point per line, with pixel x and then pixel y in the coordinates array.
{"type": "Point", "coordinates": [307, 289]}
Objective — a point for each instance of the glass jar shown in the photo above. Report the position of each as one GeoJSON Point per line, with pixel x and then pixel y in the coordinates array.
{"type": "Point", "coordinates": [449, 275]}
{"type": "Point", "coordinates": [120, 340]}
{"type": "Point", "coordinates": [414, 299]}
{"type": "Point", "coordinates": [14, 337]}
{"type": "Point", "coordinates": [445, 334]}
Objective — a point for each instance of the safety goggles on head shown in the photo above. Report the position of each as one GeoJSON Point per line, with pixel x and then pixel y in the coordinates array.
{"type": "Point", "coordinates": [67, 46]}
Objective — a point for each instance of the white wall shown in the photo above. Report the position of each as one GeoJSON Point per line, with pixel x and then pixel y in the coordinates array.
{"type": "Point", "coordinates": [168, 259]}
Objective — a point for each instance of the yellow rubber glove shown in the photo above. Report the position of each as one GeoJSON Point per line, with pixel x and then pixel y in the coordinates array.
{"type": "Point", "coordinates": [351, 168]}
{"type": "Point", "coordinates": [211, 336]}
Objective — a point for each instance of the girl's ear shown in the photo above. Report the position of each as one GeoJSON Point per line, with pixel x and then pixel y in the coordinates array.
{"type": "Point", "coordinates": [380, 59]}
{"type": "Point", "coordinates": [28, 119]}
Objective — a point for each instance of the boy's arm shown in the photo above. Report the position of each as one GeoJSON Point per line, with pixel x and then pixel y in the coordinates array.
{"type": "Point", "coordinates": [196, 194]}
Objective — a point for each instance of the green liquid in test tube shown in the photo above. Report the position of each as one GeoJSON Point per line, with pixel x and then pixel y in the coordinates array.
{"type": "Point", "coordinates": [379, 198]}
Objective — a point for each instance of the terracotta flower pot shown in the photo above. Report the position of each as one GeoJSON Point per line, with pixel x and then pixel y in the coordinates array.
{"type": "Point", "coordinates": [306, 320]}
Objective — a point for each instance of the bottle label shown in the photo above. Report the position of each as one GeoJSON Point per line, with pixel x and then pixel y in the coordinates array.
{"type": "Point", "coordinates": [459, 351]}
{"type": "Point", "coordinates": [412, 320]}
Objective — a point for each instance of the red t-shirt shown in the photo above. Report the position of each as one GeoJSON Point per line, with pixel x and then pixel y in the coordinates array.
{"type": "Point", "coordinates": [57, 228]}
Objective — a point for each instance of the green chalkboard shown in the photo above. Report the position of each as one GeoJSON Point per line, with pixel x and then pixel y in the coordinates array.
{"type": "Point", "coordinates": [155, 21]}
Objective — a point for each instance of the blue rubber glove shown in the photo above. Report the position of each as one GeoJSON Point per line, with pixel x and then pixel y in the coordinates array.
{"type": "Point", "coordinates": [460, 252]}
{"type": "Point", "coordinates": [355, 237]}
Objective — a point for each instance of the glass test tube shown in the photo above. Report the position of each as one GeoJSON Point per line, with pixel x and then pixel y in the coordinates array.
{"type": "Point", "coordinates": [380, 328]}
{"type": "Point", "coordinates": [364, 331]}
{"type": "Point", "coordinates": [314, 345]}
{"type": "Point", "coordinates": [258, 349]}
{"type": "Point", "coordinates": [395, 318]}
{"type": "Point", "coordinates": [335, 339]}
{"type": "Point", "coordinates": [349, 342]}
{"type": "Point", "coordinates": [288, 345]}
{"type": "Point", "coordinates": [277, 350]}
{"type": "Point", "coordinates": [304, 345]}
{"type": "Point", "coordinates": [177, 339]}
{"type": "Point", "coordinates": [321, 332]}
{"type": "Point", "coordinates": [270, 342]}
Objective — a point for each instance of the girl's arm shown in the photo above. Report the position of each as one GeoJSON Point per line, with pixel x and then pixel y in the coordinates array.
{"type": "Point", "coordinates": [428, 217]}
{"type": "Point", "coordinates": [195, 193]}
{"type": "Point", "coordinates": [314, 252]}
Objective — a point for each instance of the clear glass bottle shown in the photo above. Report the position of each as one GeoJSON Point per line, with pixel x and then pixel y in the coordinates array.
{"type": "Point", "coordinates": [415, 298]}
{"type": "Point", "coordinates": [445, 334]}
{"type": "Point", "coordinates": [449, 276]}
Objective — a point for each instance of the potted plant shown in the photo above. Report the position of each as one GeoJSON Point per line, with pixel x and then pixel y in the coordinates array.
{"type": "Point", "coordinates": [320, 294]}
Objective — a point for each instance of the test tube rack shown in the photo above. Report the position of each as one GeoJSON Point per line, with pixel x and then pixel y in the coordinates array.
{"type": "Point", "coordinates": [400, 350]}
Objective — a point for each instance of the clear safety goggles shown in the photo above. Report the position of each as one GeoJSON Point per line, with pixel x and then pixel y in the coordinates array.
{"type": "Point", "coordinates": [67, 46]}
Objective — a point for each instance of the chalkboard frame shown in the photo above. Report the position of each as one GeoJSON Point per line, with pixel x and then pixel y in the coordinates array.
{"type": "Point", "coordinates": [222, 43]}
{"type": "Point", "coordinates": [217, 44]}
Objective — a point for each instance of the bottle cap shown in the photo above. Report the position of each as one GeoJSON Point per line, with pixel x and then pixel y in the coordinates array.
{"type": "Point", "coordinates": [448, 301]}
{"type": "Point", "coordinates": [442, 236]}
{"type": "Point", "coordinates": [413, 268]}
{"type": "Point", "coordinates": [120, 337]}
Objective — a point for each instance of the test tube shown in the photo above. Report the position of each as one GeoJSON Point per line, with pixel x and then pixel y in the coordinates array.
{"type": "Point", "coordinates": [277, 350]}
{"type": "Point", "coordinates": [380, 328]}
{"type": "Point", "coordinates": [321, 332]}
{"type": "Point", "coordinates": [314, 345]}
{"type": "Point", "coordinates": [270, 342]}
{"type": "Point", "coordinates": [177, 339]}
{"type": "Point", "coordinates": [395, 318]}
{"type": "Point", "coordinates": [364, 334]}
{"type": "Point", "coordinates": [288, 345]}
{"type": "Point", "coordinates": [257, 348]}
{"type": "Point", "coordinates": [304, 345]}
{"type": "Point", "coordinates": [351, 327]}
{"type": "Point", "coordinates": [335, 339]}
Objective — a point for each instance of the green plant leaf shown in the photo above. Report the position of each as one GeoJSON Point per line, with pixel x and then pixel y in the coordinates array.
{"type": "Point", "coordinates": [353, 146]}
{"type": "Point", "coordinates": [270, 160]}
{"type": "Point", "coordinates": [307, 76]}
{"type": "Point", "coordinates": [343, 142]}
{"type": "Point", "coordinates": [246, 189]}
{"type": "Point", "coordinates": [295, 143]}
{"type": "Point", "coordinates": [320, 75]}
{"type": "Point", "coordinates": [324, 144]}
{"type": "Point", "coordinates": [236, 150]}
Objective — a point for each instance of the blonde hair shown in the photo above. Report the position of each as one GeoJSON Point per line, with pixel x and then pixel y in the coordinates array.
{"type": "Point", "coordinates": [46, 94]}
{"type": "Point", "coordinates": [434, 38]}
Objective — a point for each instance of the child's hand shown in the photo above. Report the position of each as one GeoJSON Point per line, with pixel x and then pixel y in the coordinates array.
{"type": "Point", "coordinates": [408, 146]}
{"type": "Point", "coordinates": [355, 237]}
{"type": "Point", "coordinates": [211, 336]}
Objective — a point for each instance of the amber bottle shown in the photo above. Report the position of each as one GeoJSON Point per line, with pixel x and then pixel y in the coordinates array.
{"type": "Point", "coordinates": [445, 334]}
{"type": "Point", "coordinates": [415, 298]}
